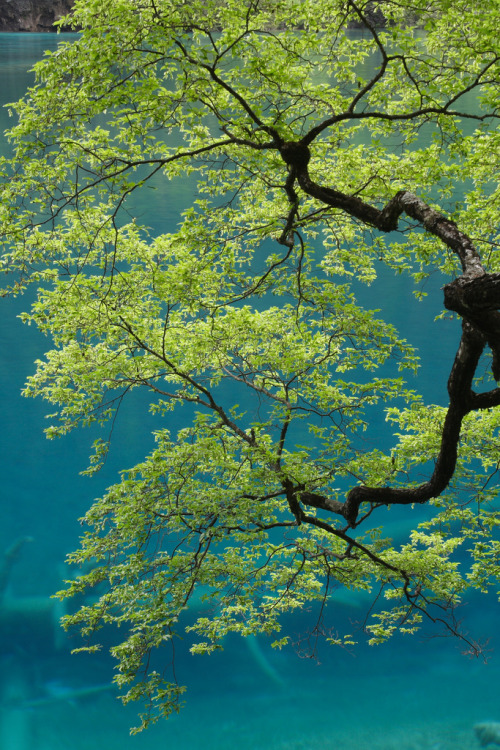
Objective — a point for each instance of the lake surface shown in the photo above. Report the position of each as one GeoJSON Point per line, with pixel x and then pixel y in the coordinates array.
{"type": "Point", "coordinates": [413, 694]}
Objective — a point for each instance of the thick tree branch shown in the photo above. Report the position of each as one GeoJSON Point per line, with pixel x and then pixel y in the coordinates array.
{"type": "Point", "coordinates": [297, 155]}
{"type": "Point", "coordinates": [475, 296]}
{"type": "Point", "coordinates": [461, 403]}
{"type": "Point", "coordinates": [478, 300]}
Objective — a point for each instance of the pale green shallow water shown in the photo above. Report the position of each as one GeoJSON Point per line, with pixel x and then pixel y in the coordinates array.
{"type": "Point", "coordinates": [406, 696]}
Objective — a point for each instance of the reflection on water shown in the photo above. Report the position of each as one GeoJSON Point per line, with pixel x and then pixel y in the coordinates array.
{"type": "Point", "coordinates": [409, 695]}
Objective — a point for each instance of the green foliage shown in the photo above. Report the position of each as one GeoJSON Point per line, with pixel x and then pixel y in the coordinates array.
{"type": "Point", "coordinates": [252, 299]}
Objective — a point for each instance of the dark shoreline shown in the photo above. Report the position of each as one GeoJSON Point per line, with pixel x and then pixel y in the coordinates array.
{"type": "Point", "coordinates": [39, 16]}
{"type": "Point", "coordinates": [32, 15]}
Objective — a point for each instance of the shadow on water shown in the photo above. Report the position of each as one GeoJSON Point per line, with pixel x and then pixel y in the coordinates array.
{"type": "Point", "coordinates": [412, 694]}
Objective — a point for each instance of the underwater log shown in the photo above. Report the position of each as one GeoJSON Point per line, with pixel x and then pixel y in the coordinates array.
{"type": "Point", "coordinates": [488, 733]}
{"type": "Point", "coordinates": [32, 624]}
{"type": "Point", "coordinates": [7, 560]}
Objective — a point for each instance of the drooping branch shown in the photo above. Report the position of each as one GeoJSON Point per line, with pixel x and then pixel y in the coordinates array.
{"type": "Point", "coordinates": [461, 403]}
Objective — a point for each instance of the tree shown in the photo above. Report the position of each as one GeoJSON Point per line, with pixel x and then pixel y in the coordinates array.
{"type": "Point", "coordinates": [287, 124]}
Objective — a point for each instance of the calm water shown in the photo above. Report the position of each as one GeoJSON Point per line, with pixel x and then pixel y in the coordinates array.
{"type": "Point", "coordinates": [411, 695]}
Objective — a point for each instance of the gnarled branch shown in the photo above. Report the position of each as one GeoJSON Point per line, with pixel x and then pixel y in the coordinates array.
{"type": "Point", "coordinates": [475, 296]}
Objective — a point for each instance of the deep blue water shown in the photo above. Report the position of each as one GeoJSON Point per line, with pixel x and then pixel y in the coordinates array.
{"type": "Point", "coordinates": [413, 694]}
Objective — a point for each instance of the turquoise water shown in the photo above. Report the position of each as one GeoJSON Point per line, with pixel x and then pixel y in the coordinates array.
{"type": "Point", "coordinates": [418, 694]}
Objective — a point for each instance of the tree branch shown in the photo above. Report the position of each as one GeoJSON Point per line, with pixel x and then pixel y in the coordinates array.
{"type": "Point", "coordinates": [475, 296]}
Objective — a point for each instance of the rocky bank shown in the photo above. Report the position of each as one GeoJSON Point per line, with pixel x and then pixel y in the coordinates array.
{"type": "Point", "coordinates": [32, 15]}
